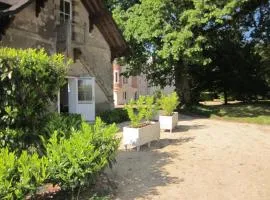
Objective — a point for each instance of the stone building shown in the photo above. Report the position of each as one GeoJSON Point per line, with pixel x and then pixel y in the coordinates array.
{"type": "Point", "coordinates": [125, 89]}
{"type": "Point", "coordinates": [80, 29]}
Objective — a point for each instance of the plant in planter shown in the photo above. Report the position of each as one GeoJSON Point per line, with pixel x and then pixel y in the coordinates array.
{"type": "Point", "coordinates": [141, 130]}
{"type": "Point", "coordinates": [168, 119]}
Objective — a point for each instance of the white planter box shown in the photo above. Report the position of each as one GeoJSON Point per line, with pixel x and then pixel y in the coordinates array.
{"type": "Point", "coordinates": [168, 122]}
{"type": "Point", "coordinates": [139, 136]}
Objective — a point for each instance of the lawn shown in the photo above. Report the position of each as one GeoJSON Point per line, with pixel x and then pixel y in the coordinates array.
{"type": "Point", "coordinates": [258, 113]}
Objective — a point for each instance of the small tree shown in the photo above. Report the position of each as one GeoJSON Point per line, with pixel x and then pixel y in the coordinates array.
{"type": "Point", "coordinates": [168, 103]}
{"type": "Point", "coordinates": [30, 80]}
{"type": "Point", "coordinates": [140, 110]}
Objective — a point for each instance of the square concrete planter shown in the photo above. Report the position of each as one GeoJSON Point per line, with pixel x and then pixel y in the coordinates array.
{"type": "Point", "coordinates": [140, 136]}
{"type": "Point", "coordinates": [168, 122]}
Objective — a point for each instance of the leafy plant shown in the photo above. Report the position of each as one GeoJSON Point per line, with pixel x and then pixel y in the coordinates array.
{"type": "Point", "coordinates": [76, 167]}
{"type": "Point", "coordinates": [142, 109]}
{"type": "Point", "coordinates": [62, 123]}
{"type": "Point", "coordinates": [168, 103]}
{"type": "Point", "coordinates": [21, 175]}
{"type": "Point", "coordinates": [11, 139]}
{"type": "Point", "coordinates": [30, 80]}
{"type": "Point", "coordinates": [150, 108]}
{"type": "Point", "coordinates": [117, 115]}
{"type": "Point", "coordinates": [136, 111]}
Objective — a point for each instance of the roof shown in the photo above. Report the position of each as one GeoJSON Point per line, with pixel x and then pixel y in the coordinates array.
{"type": "Point", "coordinates": [13, 6]}
{"type": "Point", "coordinates": [102, 18]}
{"type": "Point", "coordinates": [98, 13]}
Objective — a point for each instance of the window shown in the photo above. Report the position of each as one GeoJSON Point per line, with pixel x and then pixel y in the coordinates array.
{"type": "Point", "coordinates": [116, 77]}
{"type": "Point", "coordinates": [85, 92]}
{"type": "Point", "coordinates": [125, 80]}
{"type": "Point", "coordinates": [125, 95]}
{"type": "Point", "coordinates": [65, 10]}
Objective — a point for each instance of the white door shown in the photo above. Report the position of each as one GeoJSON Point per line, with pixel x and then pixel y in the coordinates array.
{"type": "Point", "coordinates": [81, 97]}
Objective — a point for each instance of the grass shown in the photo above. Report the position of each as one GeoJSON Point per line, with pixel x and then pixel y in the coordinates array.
{"type": "Point", "coordinates": [258, 113]}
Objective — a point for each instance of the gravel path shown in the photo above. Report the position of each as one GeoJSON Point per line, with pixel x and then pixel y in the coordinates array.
{"type": "Point", "coordinates": [202, 159]}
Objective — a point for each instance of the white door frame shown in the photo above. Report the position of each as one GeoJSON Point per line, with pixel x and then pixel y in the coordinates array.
{"type": "Point", "coordinates": [86, 109]}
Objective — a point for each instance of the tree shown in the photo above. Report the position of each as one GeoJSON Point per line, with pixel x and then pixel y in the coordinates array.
{"type": "Point", "coordinates": [167, 37]}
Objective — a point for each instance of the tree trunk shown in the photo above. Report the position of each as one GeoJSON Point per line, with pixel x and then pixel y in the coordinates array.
{"type": "Point", "coordinates": [182, 85]}
{"type": "Point", "coordinates": [225, 96]}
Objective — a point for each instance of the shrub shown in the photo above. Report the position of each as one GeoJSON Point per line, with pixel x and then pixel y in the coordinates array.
{"type": "Point", "coordinates": [150, 108]}
{"type": "Point", "coordinates": [168, 103]}
{"type": "Point", "coordinates": [140, 110]}
{"type": "Point", "coordinates": [70, 162]}
{"type": "Point", "coordinates": [11, 139]}
{"type": "Point", "coordinates": [30, 80]}
{"type": "Point", "coordinates": [76, 167]}
{"type": "Point", "coordinates": [117, 115]}
{"type": "Point", "coordinates": [62, 123]}
{"type": "Point", "coordinates": [21, 175]}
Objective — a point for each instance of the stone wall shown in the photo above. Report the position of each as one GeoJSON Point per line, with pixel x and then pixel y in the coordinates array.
{"type": "Point", "coordinates": [29, 31]}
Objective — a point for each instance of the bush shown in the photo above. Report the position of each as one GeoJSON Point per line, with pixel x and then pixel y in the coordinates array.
{"type": "Point", "coordinates": [168, 103]}
{"type": "Point", "coordinates": [117, 115]}
{"type": "Point", "coordinates": [141, 110]}
{"type": "Point", "coordinates": [18, 140]}
{"type": "Point", "coordinates": [30, 80]}
{"type": "Point", "coordinates": [71, 167]}
{"type": "Point", "coordinates": [70, 162]}
{"type": "Point", "coordinates": [21, 175]}
{"type": "Point", "coordinates": [11, 139]}
{"type": "Point", "coordinates": [62, 123]}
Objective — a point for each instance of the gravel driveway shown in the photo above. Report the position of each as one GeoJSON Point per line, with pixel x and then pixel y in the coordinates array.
{"type": "Point", "coordinates": [202, 159]}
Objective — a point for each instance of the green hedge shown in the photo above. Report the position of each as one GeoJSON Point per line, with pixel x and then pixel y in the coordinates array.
{"type": "Point", "coordinates": [116, 115]}
{"type": "Point", "coordinates": [18, 139]}
{"type": "Point", "coordinates": [30, 80]}
{"type": "Point", "coordinates": [70, 162]}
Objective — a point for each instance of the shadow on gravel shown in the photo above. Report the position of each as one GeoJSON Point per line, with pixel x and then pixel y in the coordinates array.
{"type": "Point", "coordinates": [185, 128]}
{"type": "Point", "coordinates": [138, 174]}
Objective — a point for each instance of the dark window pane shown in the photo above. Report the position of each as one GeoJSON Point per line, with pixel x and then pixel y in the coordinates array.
{"type": "Point", "coordinates": [62, 18]}
{"type": "Point", "coordinates": [67, 7]}
{"type": "Point", "coordinates": [85, 92]}
{"type": "Point", "coordinates": [67, 17]}
{"type": "Point", "coordinates": [62, 5]}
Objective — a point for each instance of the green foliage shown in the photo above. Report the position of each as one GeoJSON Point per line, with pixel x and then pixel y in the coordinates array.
{"type": "Point", "coordinates": [71, 162]}
{"type": "Point", "coordinates": [117, 115]}
{"type": "Point", "coordinates": [207, 96]}
{"type": "Point", "coordinates": [135, 111]}
{"type": "Point", "coordinates": [150, 108]}
{"type": "Point", "coordinates": [76, 167]}
{"type": "Point", "coordinates": [17, 140]}
{"type": "Point", "coordinates": [142, 109]}
{"type": "Point", "coordinates": [11, 139]}
{"type": "Point", "coordinates": [30, 80]}
{"type": "Point", "coordinates": [62, 123]}
{"type": "Point", "coordinates": [257, 113]}
{"type": "Point", "coordinates": [21, 175]}
{"type": "Point", "coordinates": [168, 103]}
{"type": "Point", "coordinates": [177, 35]}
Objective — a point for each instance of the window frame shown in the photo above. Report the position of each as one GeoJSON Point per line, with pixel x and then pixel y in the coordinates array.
{"type": "Point", "coordinates": [116, 77]}
{"type": "Point", "coordinates": [64, 13]}
{"type": "Point", "coordinates": [125, 95]}
{"type": "Point", "coordinates": [78, 88]}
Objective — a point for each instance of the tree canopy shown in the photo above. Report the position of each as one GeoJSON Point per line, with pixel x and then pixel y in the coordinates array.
{"type": "Point", "coordinates": [168, 37]}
